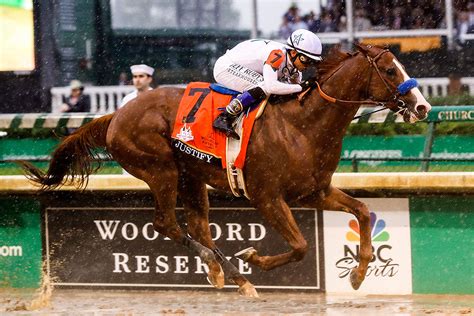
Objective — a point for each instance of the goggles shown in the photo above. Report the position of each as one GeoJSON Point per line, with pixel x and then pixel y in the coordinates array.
{"type": "Point", "coordinates": [305, 60]}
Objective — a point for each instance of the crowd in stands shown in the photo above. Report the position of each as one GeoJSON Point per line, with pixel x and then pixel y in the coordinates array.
{"type": "Point", "coordinates": [392, 15]}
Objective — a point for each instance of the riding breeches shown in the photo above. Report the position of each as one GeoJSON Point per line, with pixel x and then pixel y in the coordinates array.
{"type": "Point", "coordinates": [235, 76]}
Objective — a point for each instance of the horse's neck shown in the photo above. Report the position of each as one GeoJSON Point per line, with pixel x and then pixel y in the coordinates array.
{"type": "Point", "coordinates": [348, 83]}
{"type": "Point", "coordinates": [315, 119]}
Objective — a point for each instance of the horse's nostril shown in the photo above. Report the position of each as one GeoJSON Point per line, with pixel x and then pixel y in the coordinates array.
{"type": "Point", "coordinates": [421, 108]}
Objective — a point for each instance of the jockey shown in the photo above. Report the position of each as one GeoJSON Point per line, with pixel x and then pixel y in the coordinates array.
{"type": "Point", "coordinates": [259, 68]}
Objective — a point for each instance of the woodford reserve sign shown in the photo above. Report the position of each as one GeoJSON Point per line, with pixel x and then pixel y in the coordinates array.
{"type": "Point", "coordinates": [118, 247]}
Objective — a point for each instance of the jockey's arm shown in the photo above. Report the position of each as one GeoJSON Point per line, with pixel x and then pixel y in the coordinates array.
{"type": "Point", "coordinates": [271, 85]}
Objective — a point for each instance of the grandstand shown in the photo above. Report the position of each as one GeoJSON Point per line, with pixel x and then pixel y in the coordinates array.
{"type": "Point", "coordinates": [95, 41]}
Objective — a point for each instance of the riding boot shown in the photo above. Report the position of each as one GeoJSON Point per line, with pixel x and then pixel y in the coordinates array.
{"type": "Point", "coordinates": [225, 121]}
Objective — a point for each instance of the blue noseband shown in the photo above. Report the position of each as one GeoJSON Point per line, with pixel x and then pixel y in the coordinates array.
{"type": "Point", "coordinates": [406, 86]}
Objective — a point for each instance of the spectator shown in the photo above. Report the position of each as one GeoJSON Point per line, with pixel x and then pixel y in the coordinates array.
{"type": "Point", "coordinates": [398, 22]}
{"type": "Point", "coordinates": [299, 24]}
{"type": "Point", "coordinates": [377, 16]}
{"type": "Point", "coordinates": [417, 18]}
{"type": "Point", "coordinates": [387, 20]}
{"type": "Point", "coordinates": [462, 26]}
{"type": "Point", "coordinates": [123, 79]}
{"type": "Point", "coordinates": [142, 78]}
{"type": "Point", "coordinates": [361, 22]}
{"type": "Point", "coordinates": [313, 23]}
{"type": "Point", "coordinates": [337, 10]}
{"type": "Point", "coordinates": [327, 23]}
{"type": "Point", "coordinates": [374, 15]}
{"type": "Point", "coordinates": [77, 101]}
{"type": "Point", "coordinates": [285, 28]}
{"type": "Point", "coordinates": [342, 26]}
{"type": "Point", "coordinates": [470, 7]}
{"type": "Point", "coordinates": [437, 15]}
{"type": "Point", "coordinates": [292, 13]}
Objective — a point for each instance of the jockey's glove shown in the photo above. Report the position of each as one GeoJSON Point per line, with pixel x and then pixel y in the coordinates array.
{"type": "Point", "coordinates": [305, 85]}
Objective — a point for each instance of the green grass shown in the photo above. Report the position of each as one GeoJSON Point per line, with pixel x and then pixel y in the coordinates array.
{"type": "Point", "coordinates": [13, 169]}
{"type": "Point", "coordinates": [460, 99]}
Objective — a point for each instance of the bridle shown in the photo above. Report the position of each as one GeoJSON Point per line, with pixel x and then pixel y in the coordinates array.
{"type": "Point", "coordinates": [394, 102]}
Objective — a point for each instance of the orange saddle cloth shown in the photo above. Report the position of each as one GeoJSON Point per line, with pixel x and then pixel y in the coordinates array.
{"type": "Point", "coordinates": [193, 133]}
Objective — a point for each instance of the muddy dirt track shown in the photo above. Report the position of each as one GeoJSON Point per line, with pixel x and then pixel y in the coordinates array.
{"type": "Point", "coordinates": [227, 302]}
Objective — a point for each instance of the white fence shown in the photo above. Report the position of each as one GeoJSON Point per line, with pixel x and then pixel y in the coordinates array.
{"type": "Point", "coordinates": [105, 99]}
{"type": "Point", "coordinates": [438, 87]}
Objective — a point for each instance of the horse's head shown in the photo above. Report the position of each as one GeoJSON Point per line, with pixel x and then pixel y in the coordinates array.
{"type": "Point", "coordinates": [390, 84]}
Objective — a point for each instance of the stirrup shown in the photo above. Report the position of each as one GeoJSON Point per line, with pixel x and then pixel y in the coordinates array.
{"type": "Point", "coordinates": [231, 133]}
{"type": "Point", "coordinates": [228, 131]}
{"type": "Point", "coordinates": [223, 123]}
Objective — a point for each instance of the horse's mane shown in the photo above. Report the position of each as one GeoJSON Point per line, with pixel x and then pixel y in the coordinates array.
{"type": "Point", "coordinates": [333, 59]}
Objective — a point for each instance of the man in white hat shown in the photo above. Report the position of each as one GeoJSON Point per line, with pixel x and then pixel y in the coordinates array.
{"type": "Point", "coordinates": [77, 101]}
{"type": "Point", "coordinates": [142, 78]}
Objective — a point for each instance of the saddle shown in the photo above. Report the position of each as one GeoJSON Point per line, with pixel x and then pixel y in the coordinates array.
{"type": "Point", "coordinates": [194, 135]}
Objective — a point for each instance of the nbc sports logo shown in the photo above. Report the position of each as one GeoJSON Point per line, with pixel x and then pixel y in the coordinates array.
{"type": "Point", "coordinates": [377, 226]}
{"type": "Point", "coordinates": [389, 271]}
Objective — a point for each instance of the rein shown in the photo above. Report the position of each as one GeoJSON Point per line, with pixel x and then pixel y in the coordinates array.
{"type": "Point", "coordinates": [342, 102]}
{"type": "Point", "coordinates": [395, 91]}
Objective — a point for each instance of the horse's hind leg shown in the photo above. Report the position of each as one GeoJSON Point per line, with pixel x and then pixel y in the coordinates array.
{"type": "Point", "coordinates": [161, 174]}
{"type": "Point", "coordinates": [195, 200]}
{"type": "Point", "coordinates": [336, 200]}
{"type": "Point", "coordinates": [279, 215]}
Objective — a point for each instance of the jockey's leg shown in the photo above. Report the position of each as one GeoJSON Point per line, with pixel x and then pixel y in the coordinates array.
{"type": "Point", "coordinates": [225, 121]}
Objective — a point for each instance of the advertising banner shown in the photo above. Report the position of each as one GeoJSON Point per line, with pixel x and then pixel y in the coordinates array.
{"type": "Point", "coordinates": [453, 147]}
{"type": "Point", "coordinates": [404, 146]}
{"type": "Point", "coordinates": [382, 147]}
{"type": "Point", "coordinates": [118, 247]}
{"type": "Point", "coordinates": [389, 271]}
{"type": "Point", "coordinates": [20, 243]}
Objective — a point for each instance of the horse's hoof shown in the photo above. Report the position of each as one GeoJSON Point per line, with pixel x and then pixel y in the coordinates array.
{"type": "Point", "coordinates": [356, 281]}
{"type": "Point", "coordinates": [248, 290]}
{"type": "Point", "coordinates": [217, 280]}
{"type": "Point", "coordinates": [246, 254]}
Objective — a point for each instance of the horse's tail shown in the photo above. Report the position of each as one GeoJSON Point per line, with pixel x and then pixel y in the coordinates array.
{"type": "Point", "coordinates": [73, 157]}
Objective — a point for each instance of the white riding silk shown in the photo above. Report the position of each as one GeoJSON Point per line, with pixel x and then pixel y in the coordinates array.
{"type": "Point", "coordinates": [243, 68]}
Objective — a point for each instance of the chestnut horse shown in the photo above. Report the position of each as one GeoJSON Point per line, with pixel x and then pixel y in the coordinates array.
{"type": "Point", "coordinates": [293, 152]}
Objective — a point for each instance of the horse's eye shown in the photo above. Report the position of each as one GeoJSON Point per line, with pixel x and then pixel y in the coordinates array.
{"type": "Point", "coordinates": [391, 71]}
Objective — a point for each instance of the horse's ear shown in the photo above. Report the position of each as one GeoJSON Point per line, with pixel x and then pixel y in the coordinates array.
{"type": "Point", "coordinates": [364, 49]}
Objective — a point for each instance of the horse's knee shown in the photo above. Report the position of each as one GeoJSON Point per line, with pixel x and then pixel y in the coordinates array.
{"type": "Point", "coordinates": [159, 227]}
{"type": "Point", "coordinates": [300, 250]}
{"type": "Point", "coordinates": [164, 228]}
{"type": "Point", "coordinates": [361, 211]}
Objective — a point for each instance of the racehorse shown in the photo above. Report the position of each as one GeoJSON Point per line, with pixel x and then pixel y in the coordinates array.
{"type": "Point", "coordinates": [293, 152]}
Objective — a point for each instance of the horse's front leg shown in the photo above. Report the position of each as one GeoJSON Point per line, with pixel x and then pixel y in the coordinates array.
{"type": "Point", "coordinates": [279, 215]}
{"type": "Point", "coordinates": [195, 200]}
{"type": "Point", "coordinates": [336, 200]}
